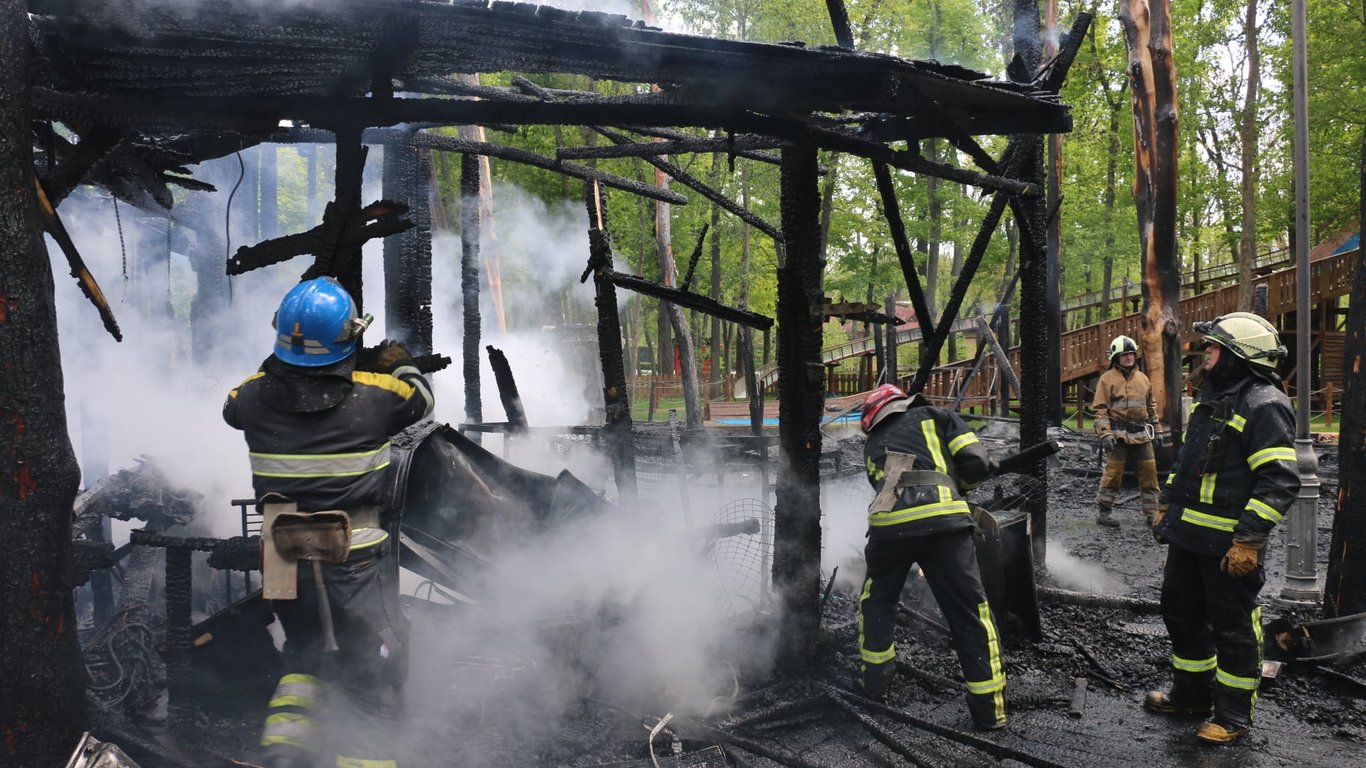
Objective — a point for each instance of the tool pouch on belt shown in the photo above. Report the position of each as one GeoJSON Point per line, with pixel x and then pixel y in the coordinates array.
{"type": "Point", "coordinates": [289, 536]}
{"type": "Point", "coordinates": [900, 476]}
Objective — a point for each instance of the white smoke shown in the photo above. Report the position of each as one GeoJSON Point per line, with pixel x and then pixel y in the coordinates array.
{"type": "Point", "coordinates": [1071, 572]}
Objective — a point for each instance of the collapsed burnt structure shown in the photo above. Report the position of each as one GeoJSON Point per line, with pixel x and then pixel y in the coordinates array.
{"type": "Point", "coordinates": [128, 94]}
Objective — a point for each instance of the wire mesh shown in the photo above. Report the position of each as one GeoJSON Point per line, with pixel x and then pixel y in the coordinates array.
{"type": "Point", "coordinates": [742, 561]}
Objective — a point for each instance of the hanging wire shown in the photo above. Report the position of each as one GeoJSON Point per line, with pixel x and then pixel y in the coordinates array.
{"type": "Point", "coordinates": [123, 249]}
{"type": "Point", "coordinates": [227, 216]}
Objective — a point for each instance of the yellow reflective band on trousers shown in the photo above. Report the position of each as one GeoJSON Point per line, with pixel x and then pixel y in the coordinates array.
{"type": "Point", "coordinates": [1259, 639]}
{"type": "Point", "coordinates": [995, 687]}
{"type": "Point", "coordinates": [1233, 681]}
{"type": "Point", "coordinates": [909, 514]}
{"type": "Point", "coordinates": [935, 446]}
{"type": "Point", "coordinates": [1208, 521]}
{"type": "Point", "coordinates": [1272, 454]}
{"type": "Point", "coordinates": [295, 690]}
{"type": "Point", "coordinates": [360, 762]}
{"type": "Point", "coordinates": [1207, 484]}
{"type": "Point", "coordinates": [962, 441]}
{"type": "Point", "coordinates": [1265, 511]}
{"type": "Point", "coordinates": [288, 465]}
{"type": "Point", "coordinates": [872, 657]}
{"type": "Point", "coordinates": [1194, 665]}
{"type": "Point", "coordinates": [289, 728]}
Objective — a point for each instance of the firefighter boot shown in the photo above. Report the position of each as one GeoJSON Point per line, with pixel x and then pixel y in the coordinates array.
{"type": "Point", "coordinates": [1105, 518]}
{"type": "Point", "coordinates": [875, 679]}
{"type": "Point", "coordinates": [1168, 704]}
{"type": "Point", "coordinates": [1218, 733]}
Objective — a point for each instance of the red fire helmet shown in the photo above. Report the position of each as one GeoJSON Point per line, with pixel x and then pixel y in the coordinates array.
{"type": "Point", "coordinates": [876, 400]}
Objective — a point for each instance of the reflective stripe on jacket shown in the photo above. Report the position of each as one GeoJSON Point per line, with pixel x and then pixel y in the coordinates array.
{"type": "Point", "coordinates": [1237, 473]}
{"type": "Point", "coordinates": [333, 457]}
{"type": "Point", "coordinates": [941, 443]}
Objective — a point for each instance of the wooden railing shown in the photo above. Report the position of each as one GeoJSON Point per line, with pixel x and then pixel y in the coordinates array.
{"type": "Point", "coordinates": [1084, 349]}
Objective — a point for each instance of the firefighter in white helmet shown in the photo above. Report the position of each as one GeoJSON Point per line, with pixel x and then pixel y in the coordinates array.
{"type": "Point", "coordinates": [1126, 420]}
{"type": "Point", "coordinates": [1234, 480]}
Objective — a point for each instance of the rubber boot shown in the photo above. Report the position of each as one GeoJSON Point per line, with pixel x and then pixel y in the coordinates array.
{"type": "Point", "coordinates": [1157, 701]}
{"type": "Point", "coordinates": [1218, 733]}
{"type": "Point", "coordinates": [1105, 518]}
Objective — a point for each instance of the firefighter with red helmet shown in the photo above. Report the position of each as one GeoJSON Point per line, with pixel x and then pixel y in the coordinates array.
{"type": "Point", "coordinates": [1126, 420]}
{"type": "Point", "coordinates": [920, 459]}
{"type": "Point", "coordinates": [1234, 480]}
{"type": "Point", "coordinates": [317, 431]}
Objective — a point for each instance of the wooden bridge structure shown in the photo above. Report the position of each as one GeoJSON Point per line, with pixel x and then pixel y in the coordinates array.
{"type": "Point", "coordinates": [1084, 347]}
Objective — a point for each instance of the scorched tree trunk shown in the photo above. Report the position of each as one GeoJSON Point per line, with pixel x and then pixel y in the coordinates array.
{"type": "Point", "coordinates": [41, 678]}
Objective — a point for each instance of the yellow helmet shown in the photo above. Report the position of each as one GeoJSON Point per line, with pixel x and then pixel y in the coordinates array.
{"type": "Point", "coordinates": [1246, 335]}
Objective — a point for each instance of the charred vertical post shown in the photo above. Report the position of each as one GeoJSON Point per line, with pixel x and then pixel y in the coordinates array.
{"type": "Point", "coordinates": [408, 254]}
{"type": "Point", "coordinates": [1342, 594]}
{"type": "Point", "coordinates": [507, 389]}
{"type": "Point", "coordinates": [469, 288]}
{"type": "Point", "coordinates": [1034, 286]}
{"type": "Point", "coordinates": [179, 686]}
{"type": "Point", "coordinates": [893, 374]}
{"type": "Point", "coordinates": [617, 429]}
{"type": "Point", "coordinates": [42, 679]}
{"type": "Point", "coordinates": [345, 263]}
{"type": "Point", "coordinates": [797, 535]}
{"type": "Point", "coordinates": [1052, 203]}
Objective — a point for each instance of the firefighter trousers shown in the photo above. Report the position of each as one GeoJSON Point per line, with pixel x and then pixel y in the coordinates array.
{"type": "Point", "coordinates": [949, 563]}
{"type": "Point", "coordinates": [351, 697]}
{"type": "Point", "coordinates": [1215, 626]}
{"type": "Point", "coordinates": [1145, 464]}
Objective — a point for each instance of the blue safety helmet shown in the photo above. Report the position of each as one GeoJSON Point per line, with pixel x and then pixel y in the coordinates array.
{"type": "Point", "coordinates": [315, 324]}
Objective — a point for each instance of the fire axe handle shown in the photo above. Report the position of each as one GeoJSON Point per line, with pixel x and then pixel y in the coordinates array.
{"type": "Point", "coordinates": [324, 609]}
{"type": "Point", "coordinates": [1026, 459]}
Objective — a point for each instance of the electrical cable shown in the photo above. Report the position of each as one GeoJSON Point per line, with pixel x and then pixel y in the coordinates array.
{"type": "Point", "coordinates": [227, 217]}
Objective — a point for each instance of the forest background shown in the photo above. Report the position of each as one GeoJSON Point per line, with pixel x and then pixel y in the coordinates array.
{"type": "Point", "coordinates": [1235, 195]}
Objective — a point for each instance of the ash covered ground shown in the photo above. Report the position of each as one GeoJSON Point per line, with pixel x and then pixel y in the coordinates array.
{"type": "Point", "coordinates": [585, 687]}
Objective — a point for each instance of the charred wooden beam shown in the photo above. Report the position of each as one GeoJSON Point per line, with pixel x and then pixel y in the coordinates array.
{"type": "Point", "coordinates": [52, 224]}
{"type": "Point", "coordinates": [69, 167]}
{"type": "Point", "coordinates": [860, 311]}
{"type": "Point", "coordinates": [912, 161]}
{"type": "Point", "coordinates": [692, 182]}
{"type": "Point", "coordinates": [378, 219]}
{"type": "Point", "coordinates": [691, 300]}
{"type": "Point", "coordinates": [671, 134]}
{"type": "Point", "coordinates": [408, 254]}
{"type": "Point", "coordinates": [698, 144]}
{"type": "Point", "coordinates": [471, 228]}
{"type": "Point", "coordinates": [839, 19]}
{"type": "Point", "coordinates": [1054, 73]}
{"type": "Point", "coordinates": [617, 405]}
{"type": "Point", "coordinates": [453, 144]}
{"type": "Point", "coordinates": [884, 735]}
{"type": "Point", "coordinates": [797, 533]}
{"type": "Point", "coordinates": [696, 255]}
{"type": "Point", "coordinates": [892, 210]}
{"type": "Point", "coordinates": [507, 390]}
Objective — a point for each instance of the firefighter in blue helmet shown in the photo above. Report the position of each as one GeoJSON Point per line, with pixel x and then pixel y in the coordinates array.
{"type": "Point", "coordinates": [920, 459]}
{"type": "Point", "coordinates": [317, 431]}
{"type": "Point", "coordinates": [1234, 480]}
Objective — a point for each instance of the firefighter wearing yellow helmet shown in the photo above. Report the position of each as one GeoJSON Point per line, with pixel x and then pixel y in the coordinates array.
{"type": "Point", "coordinates": [1126, 421]}
{"type": "Point", "coordinates": [1234, 480]}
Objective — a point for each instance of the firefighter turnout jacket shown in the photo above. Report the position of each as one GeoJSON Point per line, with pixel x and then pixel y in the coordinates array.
{"type": "Point", "coordinates": [320, 436]}
{"type": "Point", "coordinates": [1123, 405]}
{"type": "Point", "coordinates": [948, 460]}
{"type": "Point", "coordinates": [1237, 474]}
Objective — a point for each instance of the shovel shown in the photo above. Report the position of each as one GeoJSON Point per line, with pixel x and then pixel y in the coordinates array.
{"type": "Point", "coordinates": [317, 537]}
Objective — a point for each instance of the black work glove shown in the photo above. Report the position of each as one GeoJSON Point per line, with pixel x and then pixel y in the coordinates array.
{"type": "Point", "coordinates": [1107, 441]}
{"type": "Point", "coordinates": [390, 355]}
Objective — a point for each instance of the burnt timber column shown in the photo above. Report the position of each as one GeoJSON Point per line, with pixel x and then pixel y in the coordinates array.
{"type": "Point", "coordinates": [345, 263]}
{"type": "Point", "coordinates": [617, 429]}
{"type": "Point", "coordinates": [1053, 201]}
{"type": "Point", "coordinates": [1034, 287]}
{"type": "Point", "coordinates": [797, 533]}
{"type": "Point", "coordinates": [469, 288]}
{"type": "Point", "coordinates": [42, 679]}
{"type": "Point", "coordinates": [408, 254]}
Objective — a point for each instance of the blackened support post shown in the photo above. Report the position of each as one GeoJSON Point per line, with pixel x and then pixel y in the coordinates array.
{"type": "Point", "coordinates": [345, 263]}
{"type": "Point", "coordinates": [617, 429]}
{"type": "Point", "coordinates": [408, 254]}
{"type": "Point", "coordinates": [1034, 285]}
{"type": "Point", "coordinates": [797, 534]}
{"type": "Point", "coordinates": [469, 285]}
